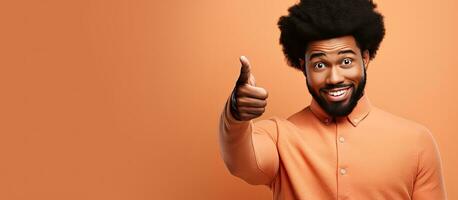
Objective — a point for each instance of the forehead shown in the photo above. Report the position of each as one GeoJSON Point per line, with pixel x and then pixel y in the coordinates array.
{"type": "Point", "coordinates": [332, 46]}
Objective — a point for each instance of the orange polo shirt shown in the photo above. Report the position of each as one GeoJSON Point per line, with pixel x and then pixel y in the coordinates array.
{"type": "Point", "coordinates": [369, 154]}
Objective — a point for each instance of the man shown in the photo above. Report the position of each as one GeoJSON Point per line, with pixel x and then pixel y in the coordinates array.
{"type": "Point", "coordinates": [340, 146]}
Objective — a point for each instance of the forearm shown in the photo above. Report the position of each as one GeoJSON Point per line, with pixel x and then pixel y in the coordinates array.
{"type": "Point", "coordinates": [237, 149]}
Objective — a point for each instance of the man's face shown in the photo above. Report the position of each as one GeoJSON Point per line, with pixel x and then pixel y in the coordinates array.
{"type": "Point", "coordinates": [335, 71]}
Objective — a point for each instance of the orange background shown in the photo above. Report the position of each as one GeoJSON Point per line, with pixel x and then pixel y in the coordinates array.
{"type": "Point", "coordinates": [111, 99]}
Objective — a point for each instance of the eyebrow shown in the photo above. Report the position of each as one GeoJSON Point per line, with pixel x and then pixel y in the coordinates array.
{"type": "Point", "coordinates": [347, 51]}
{"type": "Point", "coordinates": [315, 55]}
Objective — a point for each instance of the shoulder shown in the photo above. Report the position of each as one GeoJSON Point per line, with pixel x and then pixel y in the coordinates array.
{"type": "Point", "coordinates": [267, 123]}
{"type": "Point", "coordinates": [398, 124]}
{"type": "Point", "coordinates": [299, 115]}
{"type": "Point", "coordinates": [390, 119]}
{"type": "Point", "coordinates": [276, 121]}
{"type": "Point", "coordinates": [267, 126]}
{"type": "Point", "coordinates": [275, 124]}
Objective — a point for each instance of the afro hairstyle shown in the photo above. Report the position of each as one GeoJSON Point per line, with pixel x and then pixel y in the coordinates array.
{"type": "Point", "coordinates": [311, 20]}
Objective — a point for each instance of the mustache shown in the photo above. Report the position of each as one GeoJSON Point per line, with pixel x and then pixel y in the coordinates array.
{"type": "Point", "coordinates": [334, 86]}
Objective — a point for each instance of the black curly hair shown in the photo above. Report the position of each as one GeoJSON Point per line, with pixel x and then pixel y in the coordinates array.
{"type": "Point", "coordinates": [311, 20]}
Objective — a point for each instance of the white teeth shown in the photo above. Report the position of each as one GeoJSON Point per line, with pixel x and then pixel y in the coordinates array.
{"type": "Point", "coordinates": [337, 93]}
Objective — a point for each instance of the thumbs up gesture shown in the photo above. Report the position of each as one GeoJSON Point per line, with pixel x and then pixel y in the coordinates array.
{"type": "Point", "coordinates": [248, 101]}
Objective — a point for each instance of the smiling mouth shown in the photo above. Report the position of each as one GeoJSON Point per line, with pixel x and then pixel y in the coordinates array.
{"type": "Point", "coordinates": [337, 94]}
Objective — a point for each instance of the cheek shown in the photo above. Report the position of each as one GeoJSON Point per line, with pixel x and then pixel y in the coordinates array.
{"type": "Point", "coordinates": [316, 81]}
{"type": "Point", "coordinates": [354, 74]}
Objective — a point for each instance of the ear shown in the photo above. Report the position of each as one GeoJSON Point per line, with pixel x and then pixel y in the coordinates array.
{"type": "Point", "coordinates": [366, 58]}
{"type": "Point", "coordinates": [302, 63]}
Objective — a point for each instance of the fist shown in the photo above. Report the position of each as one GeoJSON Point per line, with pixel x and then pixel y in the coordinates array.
{"type": "Point", "coordinates": [248, 101]}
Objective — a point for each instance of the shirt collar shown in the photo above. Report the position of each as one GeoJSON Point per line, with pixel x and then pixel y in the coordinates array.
{"type": "Point", "coordinates": [360, 111]}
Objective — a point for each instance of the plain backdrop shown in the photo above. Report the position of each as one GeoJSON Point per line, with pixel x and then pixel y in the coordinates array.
{"type": "Point", "coordinates": [120, 99]}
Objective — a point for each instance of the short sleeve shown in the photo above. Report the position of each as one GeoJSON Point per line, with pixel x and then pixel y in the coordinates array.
{"type": "Point", "coordinates": [429, 182]}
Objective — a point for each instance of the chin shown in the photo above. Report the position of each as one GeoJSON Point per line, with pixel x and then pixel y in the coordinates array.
{"type": "Point", "coordinates": [341, 108]}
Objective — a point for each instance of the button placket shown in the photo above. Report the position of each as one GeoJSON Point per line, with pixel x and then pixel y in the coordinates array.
{"type": "Point", "coordinates": [342, 150]}
{"type": "Point", "coordinates": [342, 171]}
{"type": "Point", "coordinates": [341, 139]}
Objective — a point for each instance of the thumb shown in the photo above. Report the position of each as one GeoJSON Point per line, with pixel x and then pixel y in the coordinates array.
{"type": "Point", "coordinates": [245, 72]}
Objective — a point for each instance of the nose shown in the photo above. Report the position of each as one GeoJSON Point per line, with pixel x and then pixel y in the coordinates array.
{"type": "Point", "coordinates": [334, 76]}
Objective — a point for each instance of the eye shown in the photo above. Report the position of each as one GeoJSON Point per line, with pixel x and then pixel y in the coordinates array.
{"type": "Point", "coordinates": [346, 61]}
{"type": "Point", "coordinates": [319, 65]}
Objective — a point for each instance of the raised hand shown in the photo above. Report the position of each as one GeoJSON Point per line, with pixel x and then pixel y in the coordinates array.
{"type": "Point", "coordinates": [248, 101]}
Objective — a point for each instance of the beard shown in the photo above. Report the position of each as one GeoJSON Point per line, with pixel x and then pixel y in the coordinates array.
{"type": "Point", "coordinates": [338, 109]}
